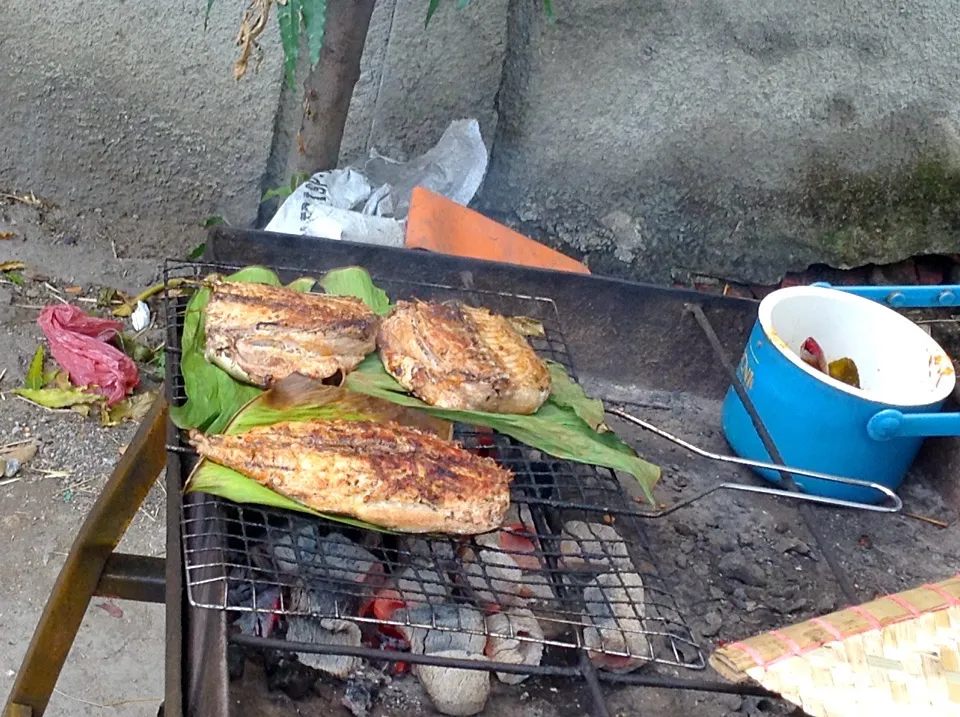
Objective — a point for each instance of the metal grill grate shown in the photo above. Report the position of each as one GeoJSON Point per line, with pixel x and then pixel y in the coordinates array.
{"type": "Point", "coordinates": [570, 570]}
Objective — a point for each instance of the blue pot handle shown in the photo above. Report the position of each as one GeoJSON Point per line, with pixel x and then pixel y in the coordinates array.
{"type": "Point", "coordinates": [904, 297]}
{"type": "Point", "coordinates": [891, 423]}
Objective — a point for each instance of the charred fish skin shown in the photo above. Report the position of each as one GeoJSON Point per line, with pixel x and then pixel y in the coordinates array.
{"type": "Point", "coordinates": [461, 357]}
{"type": "Point", "coordinates": [383, 473]}
{"type": "Point", "coordinates": [259, 333]}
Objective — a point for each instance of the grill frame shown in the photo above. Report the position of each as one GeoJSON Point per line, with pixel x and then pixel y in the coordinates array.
{"type": "Point", "coordinates": [213, 578]}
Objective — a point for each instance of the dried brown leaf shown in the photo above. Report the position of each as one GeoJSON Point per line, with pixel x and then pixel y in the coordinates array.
{"type": "Point", "coordinates": [7, 235]}
{"type": "Point", "coordinates": [12, 265]}
{"type": "Point", "coordinates": [23, 452]}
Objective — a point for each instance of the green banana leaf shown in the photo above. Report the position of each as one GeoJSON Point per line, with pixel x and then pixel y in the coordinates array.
{"type": "Point", "coordinates": [356, 281]}
{"type": "Point", "coordinates": [568, 426]}
{"type": "Point", "coordinates": [556, 429]}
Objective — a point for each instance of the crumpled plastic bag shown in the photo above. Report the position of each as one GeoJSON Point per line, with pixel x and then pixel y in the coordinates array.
{"type": "Point", "coordinates": [78, 343]}
{"type": "Point", "coordinates": [368, 201]}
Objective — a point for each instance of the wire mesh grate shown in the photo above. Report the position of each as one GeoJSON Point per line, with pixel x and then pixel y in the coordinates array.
{"type": "Point", "coordinates": [568, 570]}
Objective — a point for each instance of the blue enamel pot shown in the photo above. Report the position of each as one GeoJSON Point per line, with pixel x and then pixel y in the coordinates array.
{"type": "Point", "coordinates": [821, 424]}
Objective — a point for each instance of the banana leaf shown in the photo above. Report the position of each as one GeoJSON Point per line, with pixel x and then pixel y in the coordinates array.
{"type": "Point", "coordinates": [356, 281]}
{"type": "Point", "coordinates": [566, 393]}
{"type": "Point", "coordinates": [213, 396]}
{"type": "Point", "coordinates": [556, 429]}
{"type": "Point", "coordinates": [568, 426]}
{"type": "Point", "coordinates": [225, 482]}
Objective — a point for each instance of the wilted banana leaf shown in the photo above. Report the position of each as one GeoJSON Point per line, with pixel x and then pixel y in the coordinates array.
{"type": "Point", "coordinates": [58, 397]}
{"type": "Point", "coordinates": [555, 429]}
{"type": "Point", "coordinates": [566, 393]}
{"type": "Point", "coordinates": [299, 398]}
{"type": "Point", "coordinates": [213, 396]}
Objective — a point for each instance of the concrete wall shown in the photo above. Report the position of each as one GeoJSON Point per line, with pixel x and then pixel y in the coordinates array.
{"type": "Point", "coordinates": [657, 139]}
{"type": "Point", "coordinates": [733, 138]}
{"type": "Point", "coordinates": [131, 108]}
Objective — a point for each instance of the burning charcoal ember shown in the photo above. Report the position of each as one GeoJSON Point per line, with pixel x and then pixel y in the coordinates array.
{"type": "Point", "coordinates": [505, 644]}
{"type": "Point", "coordinates": [322, 631]}
{"type": "Point", "coordinates": [455, 627]}
{"type": "Point", "coordinates": [263, 617]}
{"type": "Point", "coordinates": [515, 546]}
{"type": "Point", "coordinates": [593, 545]}
{"type": "Point", "coordinates": [331, 558]}
{"type": "Point", "coordinates": [454, 691]}
{"type": "Point", "coordinates": [287, 674]}
{"type": "Point", "coordinates": [613, 622]}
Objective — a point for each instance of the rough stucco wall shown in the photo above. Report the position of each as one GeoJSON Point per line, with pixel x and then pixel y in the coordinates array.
{"type": "Point", "coordinates": [731, 138]}
{"type": "Point", "coordinates": [415, 81]}
{"type": "Point", "coordinates": [132, 108]}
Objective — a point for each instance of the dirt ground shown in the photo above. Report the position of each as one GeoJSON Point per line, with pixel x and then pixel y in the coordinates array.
{"type": "Point", "coordinates": [116, 664]}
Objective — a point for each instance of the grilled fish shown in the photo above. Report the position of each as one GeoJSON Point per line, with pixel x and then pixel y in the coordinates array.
{"type": "Point", "coordinates": [259, 334]}
{"type": "Point", "coordinates": [461, 357]}
{"type": "Point", "coordinates": [383, 473]}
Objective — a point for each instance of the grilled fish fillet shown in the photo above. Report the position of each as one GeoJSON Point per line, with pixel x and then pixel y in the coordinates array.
{"type": "Point", "coordinates": [461, 357]}
{"type": "Point", "coordinates": [383, 473]}
{"type": "Point", "coordinates": [260, 333]}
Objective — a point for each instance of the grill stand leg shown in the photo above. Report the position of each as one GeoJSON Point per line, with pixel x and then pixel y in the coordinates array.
{"type": "Point", "coordinates": [80, 577]}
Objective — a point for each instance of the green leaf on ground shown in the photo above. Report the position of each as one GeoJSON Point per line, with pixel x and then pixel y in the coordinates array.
{"type": "Point", "coordinates": [58, 397]}
{"type": "Point", "coordinates": [35, 372]}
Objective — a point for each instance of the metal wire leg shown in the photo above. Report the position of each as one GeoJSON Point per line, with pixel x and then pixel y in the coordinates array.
{"type": "Point", "coordinates": [894, 504]}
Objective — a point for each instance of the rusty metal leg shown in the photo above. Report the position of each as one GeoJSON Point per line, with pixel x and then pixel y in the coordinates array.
{"type": "Point", "coordinates": [106, 523]}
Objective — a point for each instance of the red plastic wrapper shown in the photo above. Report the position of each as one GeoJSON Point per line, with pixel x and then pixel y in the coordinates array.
{"type": "Point", "coordinates": [78, 343]}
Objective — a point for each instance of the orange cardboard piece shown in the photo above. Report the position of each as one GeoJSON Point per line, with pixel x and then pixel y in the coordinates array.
{"type": "Point", "coordinates": [439, 224]}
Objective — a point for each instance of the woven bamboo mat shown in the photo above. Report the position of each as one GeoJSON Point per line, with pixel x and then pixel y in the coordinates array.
{"type": "Point", "coordinates": [897, 655]}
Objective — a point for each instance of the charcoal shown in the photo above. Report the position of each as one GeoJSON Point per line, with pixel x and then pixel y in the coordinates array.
{"type": "Point", "coordinates": [459, 627]}
{"type": "Point", "coordinates": [316, 600]}
{"type": "Point", "coordinates": [261, 623]}
{"type": "Point", "coordinates": [359, 695]}
{"type": "Point", "coordinates": [333, 559]}
{"type": "Point", "coordinates": [285, 673]}
{"type": "Point", "coordinates": [236, 660]}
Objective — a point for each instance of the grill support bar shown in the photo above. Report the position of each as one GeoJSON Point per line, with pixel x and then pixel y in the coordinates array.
{"type": "Point", "coordinates": [805, 509]}
{"type": "Point", "coordinates": [83, 573]}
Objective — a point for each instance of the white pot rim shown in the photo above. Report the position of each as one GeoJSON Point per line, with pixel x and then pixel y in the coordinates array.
{"type": "Point", "coordinates": [947, 378]}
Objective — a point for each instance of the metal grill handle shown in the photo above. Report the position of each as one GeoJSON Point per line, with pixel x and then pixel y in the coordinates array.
{"type": "Point", "coordinates": [892, 503]}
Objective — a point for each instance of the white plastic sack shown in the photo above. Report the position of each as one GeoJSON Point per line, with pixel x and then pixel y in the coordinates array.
{"type": "Point", "coordinates": [369, 203]}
